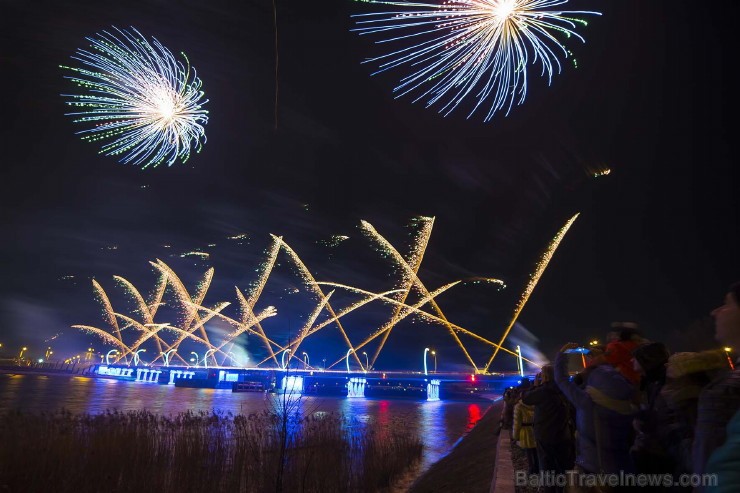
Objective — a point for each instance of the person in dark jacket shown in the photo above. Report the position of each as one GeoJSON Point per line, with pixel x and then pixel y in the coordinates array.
{"type": "Point", "coordinates": [686, 375]}
{"type": "Point", "coordinates": [552, 432]}
{"type": "Point", "coordinates": [649, 451]}
{"type": "Point", "coordinates": [725, 461]}
{"type": "Point", "coordinates": [719, 400]}
{"type": "Point", "coordinates": [604, 414]}
{"type": "Point", "coordinates": [511, 396]}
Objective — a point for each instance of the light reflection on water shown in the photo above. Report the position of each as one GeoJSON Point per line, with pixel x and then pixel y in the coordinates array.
{"type": "Point", "coordinates": [439, 424]}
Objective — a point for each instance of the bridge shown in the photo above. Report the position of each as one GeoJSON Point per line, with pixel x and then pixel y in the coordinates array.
{"type": "Point", "coordinates": [353, 384]}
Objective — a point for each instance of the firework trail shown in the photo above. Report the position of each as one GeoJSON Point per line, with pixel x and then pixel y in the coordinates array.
{"type": "Point", "coordinates": [407, 279]}
{"type": "Point", "coordinates": [481, 49]}
{"type": "Point", "coordinates": [534, 278]}
{"type": "Point", "coordinates": [147, 314]}
{"type": "Point", "coordinates": [309, 281]}
{"type": "Point", "coordinates": [137, 99]}
{"type": "Point", "coordinates": [416, 309]}
{"type": "Point", "coordinates": [409, 273]}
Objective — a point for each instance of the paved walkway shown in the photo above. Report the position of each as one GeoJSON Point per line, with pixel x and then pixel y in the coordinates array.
{"type": "Point", "coordinates": [503, 472]}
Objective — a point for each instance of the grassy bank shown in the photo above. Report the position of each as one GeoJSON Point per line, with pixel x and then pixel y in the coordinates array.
{"type": "Point", "coordinates": [194, 452]}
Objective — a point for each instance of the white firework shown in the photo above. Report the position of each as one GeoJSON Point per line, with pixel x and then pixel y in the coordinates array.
{"type": "Point", "coordinates": [471, 48]}
{"type": "Point", "coordinates": [139, 101]}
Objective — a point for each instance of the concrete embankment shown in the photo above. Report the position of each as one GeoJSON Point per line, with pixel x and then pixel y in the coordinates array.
{"type": "Point", "coordinates": [469, 467]}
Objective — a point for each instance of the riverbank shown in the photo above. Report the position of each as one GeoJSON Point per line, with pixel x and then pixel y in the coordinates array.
{"type": "Point", "coordinates": [141, 451]}
{"type": "Point", "coordinates": [468, 468]}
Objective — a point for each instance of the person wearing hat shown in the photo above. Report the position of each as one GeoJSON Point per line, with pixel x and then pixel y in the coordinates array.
{"type": "Point", "coordinates": [619, 352]}
{"type": "Point", "coordinates": [719, 400]}
{"type": "Point", "coordinates": [650, 363]}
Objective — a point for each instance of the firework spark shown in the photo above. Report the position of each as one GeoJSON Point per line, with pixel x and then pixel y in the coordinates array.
{"type": "Point", "coordinates": [142, 103]}
{"type": "Point", "coordinates": [534, 278]}
{"type": "Point", "coordinates": [409, 274]}
{"type": "Point", "coordinates": [193, 315]}
{"type": "Point", "coordinates": [471, 48]}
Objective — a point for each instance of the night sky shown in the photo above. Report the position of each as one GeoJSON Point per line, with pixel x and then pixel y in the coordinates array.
{"type": "Point", "coordinates": [652, 99]}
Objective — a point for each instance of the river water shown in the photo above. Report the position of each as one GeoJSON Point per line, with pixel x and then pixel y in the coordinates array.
{"type": "Point", "coordinates": [439, 424]}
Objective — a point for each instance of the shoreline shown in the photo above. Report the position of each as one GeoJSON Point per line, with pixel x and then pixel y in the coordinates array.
{"type": "Point", "coordinates": [468, 467]}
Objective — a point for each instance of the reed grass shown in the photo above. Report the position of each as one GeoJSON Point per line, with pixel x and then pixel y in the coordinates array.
{"type": "Point", "coordinates": [199, 452]}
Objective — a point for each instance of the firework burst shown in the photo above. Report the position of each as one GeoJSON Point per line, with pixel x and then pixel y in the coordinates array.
{"type": "Point", "coordinates": [138, 100]}
{"type": "Point", "coordinates": [480, 49]}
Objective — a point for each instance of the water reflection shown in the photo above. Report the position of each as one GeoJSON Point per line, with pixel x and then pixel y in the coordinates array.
{"type": "Point", "coordinates": [474, 415]}
{"type": "Point", "coordinates": [439, 424]}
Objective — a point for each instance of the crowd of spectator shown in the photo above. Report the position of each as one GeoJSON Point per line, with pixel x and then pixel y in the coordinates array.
{"type": "Point", "coordinates": [635, 408]}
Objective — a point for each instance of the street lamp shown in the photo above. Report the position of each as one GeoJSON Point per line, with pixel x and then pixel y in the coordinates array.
{"type": "Point", "coordinates": [347, 358]}
{"type": "Point", "coordinates": [197, 358]}
{"type": "Point", "coordinates": [426, 350]}
{"type": "Point", "coordinates": [728, 350]}
{"type": "Point", "coordinates": [107, 356]}
{"type": "Point", "coordinates": [136, 356]}
{"type": "Point", "coordinates": [366, 362]}
{"type": "Point", "coordinates": [434, 353]}
{"type": "Point", "coordinates": [324, 360]}
{"type": "Point", "coordinates": [20, 356]}
{"type": "Point", "coordinates": [520, 362]}
{"type": "Point", "coordinates": [205, 357]}
{"type": "Point", "coordinates": [282, 358]}
{"type": "Point", "coordinates": [305, 360]}
{"type": "Point", "coordinates": [166, 356]}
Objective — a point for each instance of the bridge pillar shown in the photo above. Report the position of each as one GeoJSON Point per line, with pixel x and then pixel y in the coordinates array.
{"type": "Point", "coordinates": [139, 371]}
{"type": "Point", "coordinates": [292, 384]}
{"type": "Point", "coordinates": [433, 390]}
{"type": "Point", "coordinates": [174, 374]}
{"type": "Point", "coordinates": [143, 376]}
{"type": "Point", "coordinates": [154, 376]}
{"type": "Point", "coordinates": [356, 387]}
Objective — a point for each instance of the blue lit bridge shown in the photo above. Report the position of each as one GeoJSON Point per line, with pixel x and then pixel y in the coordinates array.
{"type": "Point", "coordinates": [353, 384]}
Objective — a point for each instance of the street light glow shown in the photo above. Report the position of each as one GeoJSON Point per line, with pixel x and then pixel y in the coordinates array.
{"type": "Point", "coordinates": [107, 356]}
{"type": "Point", "coordinates": [347, 358]}
{"type": "Point", "coordinates": [282, 359]}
